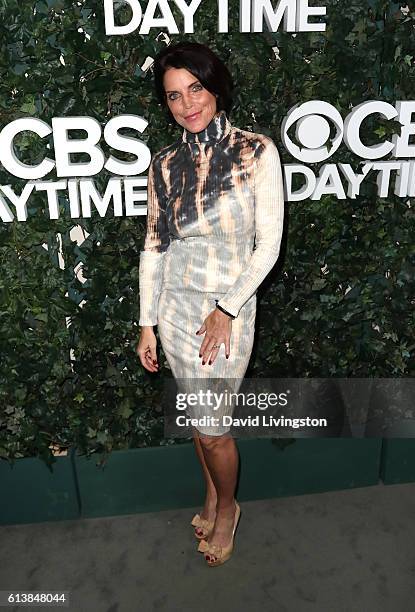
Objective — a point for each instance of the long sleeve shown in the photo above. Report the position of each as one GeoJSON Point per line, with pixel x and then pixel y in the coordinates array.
{"type": "Point", "coordinates": [269, 218]}
{"type": "Point", "coordinates": [155, 246]}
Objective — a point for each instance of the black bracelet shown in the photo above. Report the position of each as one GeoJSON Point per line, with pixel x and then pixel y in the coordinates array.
{"type": "Point", "coordinates": [223, 310]}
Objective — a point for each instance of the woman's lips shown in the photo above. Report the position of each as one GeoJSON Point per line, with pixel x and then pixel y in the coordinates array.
{"type": "Point", "coordinates": [192, 117]}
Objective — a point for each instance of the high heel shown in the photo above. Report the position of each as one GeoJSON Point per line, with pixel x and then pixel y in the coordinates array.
{"type": "Point", "coordinates": [222, 553]}
{"type": "Point", "coordinates": [203, 524]}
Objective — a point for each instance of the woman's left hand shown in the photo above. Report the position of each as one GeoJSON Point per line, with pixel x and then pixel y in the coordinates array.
{"type": "Point", "coordinates": [218, 328]}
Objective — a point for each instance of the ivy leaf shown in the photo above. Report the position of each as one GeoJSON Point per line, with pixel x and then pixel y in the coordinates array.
{"type": "Point", "coordinates": [19, 68]}
{"type": "Point", "coordinates": [29, 107]}
{"type": "Point", "coordinates": [380, 131]}
{"type": "Point", "coordinates": [318, 284]}
{"type": "Point", "coordinates": [125, 411]}
{"type": "Point", "coordinates": [102, 437]}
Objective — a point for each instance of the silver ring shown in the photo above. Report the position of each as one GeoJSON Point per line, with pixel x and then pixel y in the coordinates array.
{"type": "Point", "coordinates": [216, 346]}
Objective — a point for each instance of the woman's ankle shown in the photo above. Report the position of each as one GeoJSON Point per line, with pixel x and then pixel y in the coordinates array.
{"type": "Point", "coordinates": [227, 507]}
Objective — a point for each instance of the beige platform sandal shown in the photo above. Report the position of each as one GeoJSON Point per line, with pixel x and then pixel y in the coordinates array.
{"type": "Point", "coordinates": [221, 553]}
{"type": "Point", "coordinates": [204, 525]}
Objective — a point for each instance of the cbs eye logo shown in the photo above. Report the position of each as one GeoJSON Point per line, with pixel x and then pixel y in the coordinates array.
{"type": "Point", "coordinates": [313, 130]}
{"type": "Point", "coordinates": [320, 129]}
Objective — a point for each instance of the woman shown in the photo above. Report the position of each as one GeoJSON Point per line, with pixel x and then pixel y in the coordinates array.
{"type": "Point", "coordinates": [209, 195]}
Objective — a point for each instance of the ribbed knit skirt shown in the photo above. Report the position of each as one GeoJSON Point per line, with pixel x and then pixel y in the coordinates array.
{"type": "Point", "coordinates": [181, 313]}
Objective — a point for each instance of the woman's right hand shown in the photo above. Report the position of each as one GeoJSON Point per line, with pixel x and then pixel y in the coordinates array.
{"type": "Point", "coordinates": [147, 349]}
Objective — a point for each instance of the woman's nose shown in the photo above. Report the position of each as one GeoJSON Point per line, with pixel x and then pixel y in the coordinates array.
{"type": "Point", "coordinates": [187, 102]}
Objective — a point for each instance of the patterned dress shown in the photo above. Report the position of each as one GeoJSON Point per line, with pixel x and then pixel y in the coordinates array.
{"type": "Point", "coordinates": [212, 197]}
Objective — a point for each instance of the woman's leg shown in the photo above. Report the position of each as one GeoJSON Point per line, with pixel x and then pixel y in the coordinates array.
{"type": "Point", "coordinates": [209, 509]}
{"type": "Point", "coordinates": [222, 460]}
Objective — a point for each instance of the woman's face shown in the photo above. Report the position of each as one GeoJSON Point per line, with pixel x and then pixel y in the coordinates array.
{"type": "Point", "coordinates": [192, 106]}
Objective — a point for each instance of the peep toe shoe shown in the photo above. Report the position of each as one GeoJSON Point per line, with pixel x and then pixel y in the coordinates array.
{"type": "Point", "coordinates": [221, 553]}
{"type": "Point", "coordinates": [204, 525]}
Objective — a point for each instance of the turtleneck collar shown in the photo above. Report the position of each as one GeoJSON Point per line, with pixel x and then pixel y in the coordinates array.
{"type": "Point", "coordinates": [215, 131]}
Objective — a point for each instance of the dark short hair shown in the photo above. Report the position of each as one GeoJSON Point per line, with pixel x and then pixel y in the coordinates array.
{"type": "Point", "coordinates": [203, 63]}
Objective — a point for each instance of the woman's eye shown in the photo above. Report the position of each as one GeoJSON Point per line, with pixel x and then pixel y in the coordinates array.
{"type": "Point", "coordinates": [175, 95]}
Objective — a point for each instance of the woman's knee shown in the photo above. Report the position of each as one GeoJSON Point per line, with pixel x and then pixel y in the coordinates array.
{"type": "Point", "coordinates": [210, 442]}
